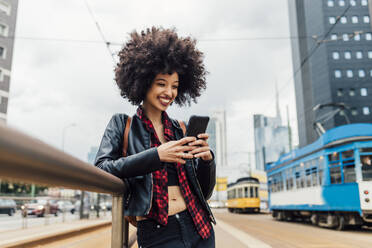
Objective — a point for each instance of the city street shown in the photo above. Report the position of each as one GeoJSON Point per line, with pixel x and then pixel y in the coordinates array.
{"type": "Point", "coordinates": [293, 234]}
{"type": "Point", "coordinates": [15, 222]}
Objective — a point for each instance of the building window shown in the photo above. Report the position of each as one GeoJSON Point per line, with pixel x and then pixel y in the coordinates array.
{"type": "Point", "coordinates": [341, 2]}
{"type": "Point", "coordinates": [361, 73]}
{"type": "Point", "coordinates": [351, 92]}
{"type": "Point", "coordinates": [364, 2]}
{"type": "Point", "coordinates": [349, 73]}
{"type": "Point", "coordinates": [352, 2]}
{"type": "Point", "coordinates": [363, 92]}
{"type": "Point", "coordinates": [340, 92]}
{"type": "Point", "coordinates": [3, 29]}
{"type": "Point", "coordinates": [2, 52]}
{"type": "Point", "coordinates": [336, 55]}
{"type": "Point", "coordinates": [354, 19]}
{"type": "Point", "coordinates": [337, 73]}
{"type": "Point", "coordinates": [347, 55]}
{"type": "Point", "coordinates": [354, 111]}
{"type": "Point", "coordinates": [345, 37]}
{"type": "Point", "coordinates": [343, 19]}
{"type": "Point", "coordinates": [5, 7]}
{"type": "Point", "coordinates": [366, 110]}
{"type": "Point", "coordinates": [368, 36]}
{"type": "Point", "coordinates": [333, 36]}
{"type": "Point", "coordinates": [366, 19]}
{"type": "Point", "coordinates": [370, 54]}
{"type": "Point", "coordinates": [331, 3]}
{"type": "Point", "coordinates": [359, 55]}
{"type": "Point", "coordinates": [357, 37]}
{"type": "Point", "coordinates": [332, 20]}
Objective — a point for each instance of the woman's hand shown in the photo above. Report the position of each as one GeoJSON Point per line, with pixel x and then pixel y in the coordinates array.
{"type": "Point", "coordinates": [175, 151]}
{"type": "Point", "coordinates": [203, 152]}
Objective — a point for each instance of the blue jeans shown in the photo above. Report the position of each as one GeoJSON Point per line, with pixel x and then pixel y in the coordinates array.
{"type": "Point", "coordinates": [179, 233]}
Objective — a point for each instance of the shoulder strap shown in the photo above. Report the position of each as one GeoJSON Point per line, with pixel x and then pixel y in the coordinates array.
{"type": "Point", "coordinates": [183, 126]}
{"type": "Point", "coordinates": [126, 132]}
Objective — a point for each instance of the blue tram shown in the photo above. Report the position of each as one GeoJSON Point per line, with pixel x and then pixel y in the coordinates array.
{"type": "Point", "coordinates": [328, 182]}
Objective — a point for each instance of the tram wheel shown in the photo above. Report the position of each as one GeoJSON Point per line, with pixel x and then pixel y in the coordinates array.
{"type": "Point", "coordinates": [340, 223]}
{"type": "Point", "coordinates": [314, 219]}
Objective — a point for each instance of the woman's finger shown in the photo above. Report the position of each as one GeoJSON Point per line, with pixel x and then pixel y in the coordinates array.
{"type": "Point", "coordinates": [200, 149]}
{"type": "Point", "coordinates": [185, 140]}
{"type": "Point", "coordinates": [202, 154]}
{"type": "Point", "coordinates": [199, 142]}
{"type": "Point", "coordinates": [204, 136]}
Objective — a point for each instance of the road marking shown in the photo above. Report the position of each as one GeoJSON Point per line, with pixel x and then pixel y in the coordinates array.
{"type": "Point", "coordinates": [243, 237]}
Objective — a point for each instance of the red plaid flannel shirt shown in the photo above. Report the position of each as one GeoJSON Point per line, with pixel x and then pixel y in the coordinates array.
{"type": "Point", "coordinates": [159, 209]}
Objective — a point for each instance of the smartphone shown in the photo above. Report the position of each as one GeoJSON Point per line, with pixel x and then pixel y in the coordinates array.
{"type": "Point", "coordinates": [197, 125]}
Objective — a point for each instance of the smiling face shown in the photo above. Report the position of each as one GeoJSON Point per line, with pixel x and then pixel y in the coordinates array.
{"type": "Point", "coordinates": [162, 92]}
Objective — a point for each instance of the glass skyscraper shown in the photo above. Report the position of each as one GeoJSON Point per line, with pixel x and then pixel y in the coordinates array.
{"type": "Point", "coordinates": [332, 62]}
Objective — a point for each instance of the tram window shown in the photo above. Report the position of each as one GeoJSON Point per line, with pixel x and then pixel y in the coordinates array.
{"type": "Point", "coordinates": [298, 183]}
{"type": "Point", "coordinates": [240, 193]}
{"type": "Point", "coordinates": [347, 155]}
{"type": "Point", "coordinates": [320, 176]}
{"type": "Point", "coordinates": [251, 191]}
{"type": "Point", "coordinates": [289, 179]}
{"type": "Point", "coordinates": [367, 149]}
{"type": "Point", "coordinates": [256, 192]}
{"type": "Point", "coordinates": [349, 173]}
{"type": "Point", "coordinates": [246, 192]}
{"type": "Point", "coordinates": [334, 158]}
{"type": "Point", "coordinates": [366, 167]}
{"type": "Point", "coordinates": [335, 173]}
{"type": "Point", "coordinates": [233, 193]}
{"type": "Point", "coordinates": [314, 177]}
{"type": "Point", "coordinates": [308, 177]}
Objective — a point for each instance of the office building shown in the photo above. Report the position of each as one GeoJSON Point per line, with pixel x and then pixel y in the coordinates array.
{"type": "Point", "coordinates": [332, 63]}
{"type": "Point", "coordinates": [271, 138]}
{"type": "Point", "coordinates": [8, 17]}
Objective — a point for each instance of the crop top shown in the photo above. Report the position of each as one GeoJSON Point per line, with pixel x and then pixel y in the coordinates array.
{"type": "Point", "coordinates": [172, 175]}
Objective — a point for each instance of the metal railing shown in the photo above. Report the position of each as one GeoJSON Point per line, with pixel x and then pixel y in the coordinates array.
{"type": "Point", "coordinates": [26, 159]}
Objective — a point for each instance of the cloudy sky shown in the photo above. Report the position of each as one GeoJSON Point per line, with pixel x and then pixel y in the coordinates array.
{"type": "Point", "coordinates": [63, 73]}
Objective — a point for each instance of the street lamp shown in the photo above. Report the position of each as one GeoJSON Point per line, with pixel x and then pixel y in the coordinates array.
{"type": "Point", "coordinates": [64, 132]}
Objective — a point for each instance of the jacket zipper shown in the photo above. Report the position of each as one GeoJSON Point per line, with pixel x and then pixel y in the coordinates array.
{"type": "Point", "coordinates": [201, 192]}
{"type": "Point", "coordinates": [152, 189]}
{"type": "Point", "coordinates": [152, 186]}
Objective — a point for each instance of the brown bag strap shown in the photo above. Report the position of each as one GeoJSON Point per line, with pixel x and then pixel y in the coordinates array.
{"type": "Point", "coordinates": [183, 126]}
{"type": "Point", "coordinates": [126, 133]}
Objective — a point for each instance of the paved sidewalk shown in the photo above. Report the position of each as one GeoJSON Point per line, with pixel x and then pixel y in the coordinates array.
{"type": "Point", "coordinates": [18, 237]}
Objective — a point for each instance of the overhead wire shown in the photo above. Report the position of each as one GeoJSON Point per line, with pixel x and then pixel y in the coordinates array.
{"type": "Point", "coordinates": [107, 43]}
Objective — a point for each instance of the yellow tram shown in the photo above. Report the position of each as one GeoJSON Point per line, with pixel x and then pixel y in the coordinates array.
{"type": "Point", "coordinates": [243, 196]}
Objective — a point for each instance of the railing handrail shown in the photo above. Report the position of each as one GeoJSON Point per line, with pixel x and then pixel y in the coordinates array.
{"type": "Point", "coordinates": [26, 159]}
{"type": "Point", "coordinates": [31, 160]}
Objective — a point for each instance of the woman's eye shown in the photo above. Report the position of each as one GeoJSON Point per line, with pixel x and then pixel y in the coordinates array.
{"type": "Point", "coordinates": [175, 87]}
{"type": "Point", "coordinates": [161, 84]}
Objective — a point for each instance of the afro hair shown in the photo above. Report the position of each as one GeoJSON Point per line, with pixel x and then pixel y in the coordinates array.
{"type": "Point", "coordinates": [159, 50]}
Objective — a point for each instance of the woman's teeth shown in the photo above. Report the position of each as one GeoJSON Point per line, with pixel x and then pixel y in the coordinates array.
{"type": "Point", "coordinates": [164, 101]}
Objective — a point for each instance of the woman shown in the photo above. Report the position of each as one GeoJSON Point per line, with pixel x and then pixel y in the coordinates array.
{"type": "Point", "coordinates": [170, 176]}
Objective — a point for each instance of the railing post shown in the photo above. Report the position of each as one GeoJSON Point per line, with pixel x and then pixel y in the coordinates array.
{"type": "Point", "coordinates": [117, 222]}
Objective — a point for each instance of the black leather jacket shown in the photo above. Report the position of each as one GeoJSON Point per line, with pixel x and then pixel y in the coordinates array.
{"type": "Point", "coordinates": [136, 168]}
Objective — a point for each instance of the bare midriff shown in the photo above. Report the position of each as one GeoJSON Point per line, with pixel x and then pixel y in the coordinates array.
{"type": "Point", "coordinates": [176, 202]}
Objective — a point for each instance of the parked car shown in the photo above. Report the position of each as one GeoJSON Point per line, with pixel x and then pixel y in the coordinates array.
{"type": "Point", "coordinates": [39, 207]}
{"type": "Point", "coordinates": [7, 206]}
{"type": "Point", "coordinates": [66, 206]}
{"type": "Point", "coordinates": [105, 206]}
